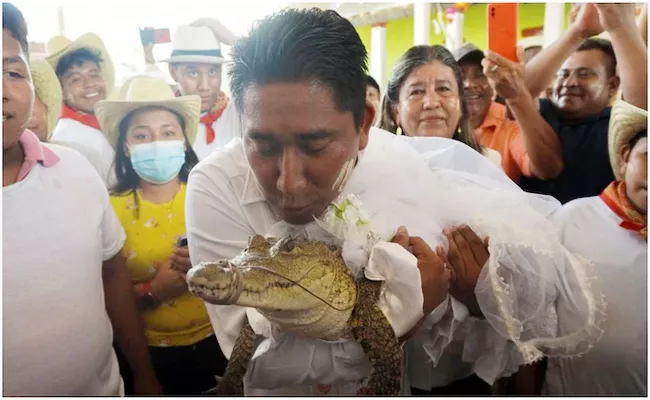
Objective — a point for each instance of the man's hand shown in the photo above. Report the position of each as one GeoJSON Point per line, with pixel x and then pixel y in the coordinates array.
{"type": "Point", "coordinates": [433, 266]}
{"type": "Point", "coordinates": [180, 260]}
{"type": "Point", "coordinates": [127, 324]}
{"type": "Point", "coordinates": [146, 386]}
{"type": "Point", "coordinates": [584, 18]}
{"type": "Point", "coordinates": [467, 255]}
{"type": "Point", "coordinates": [223, 34]}
{"type": "Point", "coordinates": [506, 77]}
{"type": "Point", "coordinates": [616, 16]}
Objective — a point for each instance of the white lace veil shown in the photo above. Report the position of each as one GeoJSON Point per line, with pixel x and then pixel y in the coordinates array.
{"type": "Point", "coordinates": [530, 283]}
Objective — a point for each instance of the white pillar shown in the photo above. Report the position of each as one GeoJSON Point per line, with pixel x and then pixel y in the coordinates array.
{"type": "Point", "coordinates": [553, 22]}
{"type": "Point", "coordinates": [61, 20]}
{"type": "Point", "coordinates": [421, 23]}
{"type": "Point", "coordinates": [378, 54]}
{"type": "Point", "coordinates": [455, 32]}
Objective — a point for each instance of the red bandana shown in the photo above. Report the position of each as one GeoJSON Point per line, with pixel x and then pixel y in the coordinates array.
{"type": "Point", "coordinates": [209, 118]}
{"type": "Point", "coordinates": [86, 119]}
{"type": "Point", "coordinates": [615, 198]}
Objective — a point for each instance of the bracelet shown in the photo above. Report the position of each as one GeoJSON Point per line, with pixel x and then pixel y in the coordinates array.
{"type": "Point", "coordinates": [145, 288]}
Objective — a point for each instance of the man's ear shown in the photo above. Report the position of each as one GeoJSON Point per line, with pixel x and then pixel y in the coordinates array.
{"type": "Point", "coordinates": [624, 154]}
{"type": "Point", "coordinates": [173, 71]}
{"type": "Point", "coordinates": [614, 85]}
{"type": "Point", "coordinates": [366, 124]}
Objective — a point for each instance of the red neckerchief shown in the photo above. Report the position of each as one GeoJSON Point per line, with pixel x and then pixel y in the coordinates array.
{"type": "Point", "coordinates": [213, 115]}
{"type": "Point", "coordinates": [615, 198]}
{"type": "Point", "coordinates": [86, 119]}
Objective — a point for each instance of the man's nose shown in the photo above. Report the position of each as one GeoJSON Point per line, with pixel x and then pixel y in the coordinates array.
{"type": "Point", "coordinates": [571, 80]}
{"type": "Point", "coordinates": [292, 180]}
{"type": "Point", "coordinates": [469, 83]}
{"type": "Point", "coordinates": [203, 82]}
{"type": "Point", "coordinates": [5, 90]}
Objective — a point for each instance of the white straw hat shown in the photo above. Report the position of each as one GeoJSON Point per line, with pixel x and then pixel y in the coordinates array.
{"type": "Point", "coordinates": [195, 44]}
{"type": "Point", "coordinates": [625, 122]}
{"type": "Point", "coordinates": [48, 90]}
{"type": "Point", "coordinates": [144, 91]}
{"type": "Point", "coordinates": [59, 45]}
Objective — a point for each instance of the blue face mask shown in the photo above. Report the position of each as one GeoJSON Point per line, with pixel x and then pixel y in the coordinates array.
{"type": "Point", "coordinates": [158, 162]}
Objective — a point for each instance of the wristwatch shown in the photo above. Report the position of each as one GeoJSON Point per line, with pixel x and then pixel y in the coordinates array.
{"type": "Point", "coordinates": [147, 299]}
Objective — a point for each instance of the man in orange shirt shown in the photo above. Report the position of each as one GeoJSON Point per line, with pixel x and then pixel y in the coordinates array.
{"type": "Point", "coordinates": [522, 143]}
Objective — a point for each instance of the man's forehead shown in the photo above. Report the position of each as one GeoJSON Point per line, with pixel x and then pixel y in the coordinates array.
{"type": "Point", "coordinates": [292, 107]}
{"type": "Point", "coordinates": [468, 66]}
{"type": "Point", "coordinates": [585, 59]}
{"type": "Point", "coordinates": [11, 50]}
{"type": "Point", "coordinates": [197, 66]}
{"type": "Point", "coordinates": [84, 67]}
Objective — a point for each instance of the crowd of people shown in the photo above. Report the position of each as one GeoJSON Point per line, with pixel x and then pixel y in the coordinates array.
{"type": "Point", "coordinates": [513, 198]}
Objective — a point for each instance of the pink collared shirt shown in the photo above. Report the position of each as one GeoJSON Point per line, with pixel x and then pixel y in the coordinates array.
{"type": "Point", "coordinates": [35, 152]}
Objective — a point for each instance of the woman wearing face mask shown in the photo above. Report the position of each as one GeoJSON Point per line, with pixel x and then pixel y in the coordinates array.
{"type": "Point", "coordinates": [425, 97]}
{"type": "Point", "coordinates": [151, 131]}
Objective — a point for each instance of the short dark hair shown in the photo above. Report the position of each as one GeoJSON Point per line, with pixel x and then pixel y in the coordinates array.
{"type": "Point", "coordinates": [76, 58]}
{"type": "Point", "coordinates": [314, 46]}
{"type": "Point", "coordinates": [372, 82]}
{"type": "Point", "coordinates": [413, 58]}
{"type": "Point", "coordinates": [605, 46]}
{"type": "Point", "coordinates": [14, 21]}
{"type": "Point", "coordinates": [640, 135]}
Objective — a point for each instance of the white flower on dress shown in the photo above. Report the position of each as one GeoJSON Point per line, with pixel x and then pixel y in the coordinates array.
{"type": "Point", "coordinates": [348, 220]}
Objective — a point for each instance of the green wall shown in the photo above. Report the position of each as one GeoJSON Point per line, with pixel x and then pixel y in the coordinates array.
{"type": "Point", "coordinates": [399, 33]}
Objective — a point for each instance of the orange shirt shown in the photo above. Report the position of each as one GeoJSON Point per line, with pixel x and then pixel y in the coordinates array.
{"type": "Point", "coordinates": [499, 133]}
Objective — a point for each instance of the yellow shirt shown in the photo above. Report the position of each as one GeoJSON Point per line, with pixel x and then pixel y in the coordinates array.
{"type": "Point", "coordinates": [151, 238]}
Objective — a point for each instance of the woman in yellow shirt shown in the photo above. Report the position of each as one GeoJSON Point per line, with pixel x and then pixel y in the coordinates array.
{"type": "Point", "coordinates": [151, 132]}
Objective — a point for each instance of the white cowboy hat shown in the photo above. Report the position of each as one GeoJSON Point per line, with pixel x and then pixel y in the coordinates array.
{"type": "Point", "coordinates": [59, 45]}
{"type": "Point", "coordinates": [195, 44]}
{"type": "Point", "coordinates": [625, 122]}
{"type": "Point", "coordinates": [144, 91]}
{"type": "Point", "coordinates": [48, 90]}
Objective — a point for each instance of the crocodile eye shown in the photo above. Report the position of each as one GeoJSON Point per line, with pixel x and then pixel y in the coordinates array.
{"type": "Point", "coordinates": [288, 245]}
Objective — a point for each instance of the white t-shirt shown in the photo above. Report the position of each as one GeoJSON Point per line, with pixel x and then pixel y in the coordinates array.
{"type": "Point", "coordinates": [617, 364]}
{"type": "Point", "coordinates": [226, 127]}
{"type": "Point", "coordinates": [91, 143]}
{"type": "Point", "coordinates": [58, 227]}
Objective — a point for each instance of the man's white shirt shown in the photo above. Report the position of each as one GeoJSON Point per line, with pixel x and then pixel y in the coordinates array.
{"type": "Point", "coordinates": [617, 364]}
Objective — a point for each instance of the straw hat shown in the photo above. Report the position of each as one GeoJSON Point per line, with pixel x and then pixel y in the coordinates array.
{"type": "Point", "coordinates": [48, 90]}
{"type": "Point", "coordinates": [144, 91]}
{"type": "Point", "coordinates": [625, 122]}
{"type": "Point", "coordinates": [195, 44]}
{"type": "Point", "coordinates": [59, 45]}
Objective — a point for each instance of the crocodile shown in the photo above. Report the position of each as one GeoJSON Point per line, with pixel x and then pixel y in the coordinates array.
{"type": "Point", "coordinates": [304, 287]}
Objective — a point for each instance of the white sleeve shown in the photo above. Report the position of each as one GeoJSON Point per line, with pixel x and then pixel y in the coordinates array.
{"type": "Point", "coordinates": [113, 235]}
{"type": "Point", "coordinates": [216, 230]}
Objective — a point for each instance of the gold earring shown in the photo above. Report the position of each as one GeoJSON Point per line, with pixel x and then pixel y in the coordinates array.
{"type": "Point", "coordinates": [398, 131]}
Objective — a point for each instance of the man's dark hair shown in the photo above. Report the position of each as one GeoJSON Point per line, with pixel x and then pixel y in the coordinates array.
{"type": "Point", "coordinates": [313, 46]}
{"type": "Point", "coordinates": [642, 134]}
{"type": "Point", "coordinates": [605, 46]}
{"type": "Point", "coordinates": [372, 82]}
{"type": "Point", "coordinates": [76, 58]}
{"type": "Point", "coordinates": [13, 20]}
